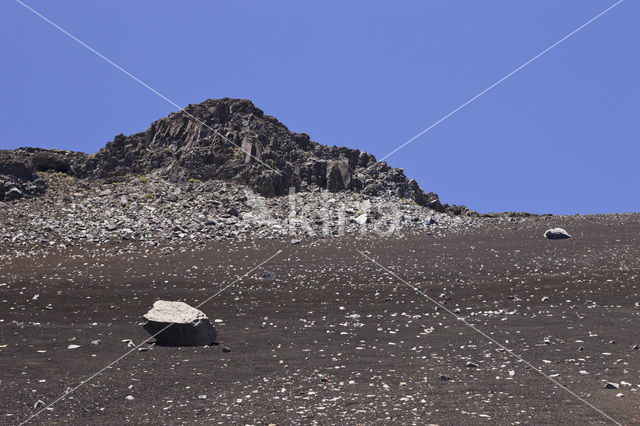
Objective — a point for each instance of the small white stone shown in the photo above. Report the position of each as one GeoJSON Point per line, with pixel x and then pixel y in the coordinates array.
{"type": "Point", "coordinates": [556, 234]}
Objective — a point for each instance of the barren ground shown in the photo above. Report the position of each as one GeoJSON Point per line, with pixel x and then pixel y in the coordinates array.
{"type": "Point", "coordinates": [334, 338]}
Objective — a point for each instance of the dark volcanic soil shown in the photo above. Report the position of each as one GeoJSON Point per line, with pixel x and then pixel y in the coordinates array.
{"type": "Point", "coordinates": [334, 338]}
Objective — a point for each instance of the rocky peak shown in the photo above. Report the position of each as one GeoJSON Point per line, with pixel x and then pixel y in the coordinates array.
{"type": "Point", "coordinates": [230, 140]}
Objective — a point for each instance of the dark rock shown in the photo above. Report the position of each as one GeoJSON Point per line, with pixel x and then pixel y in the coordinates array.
{"type": "Point", "coordinates": [269, 276]}
{"type": "Point", "coordinates": [13, 194]}
{"type": "Point", "coordinates": [373, 188]}
{"type": "Point", "coordinates": [338, 175]}
{"type": "Point", "coordinates": [49, 160]}
{"type": "Point", "coordinates": [556, 234]}
{"type": "Point", "coordinates": [20, 168]}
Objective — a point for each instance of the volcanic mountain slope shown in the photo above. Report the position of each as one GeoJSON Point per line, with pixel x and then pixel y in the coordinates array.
{"type": "Point", "coordinates": [225, 139]}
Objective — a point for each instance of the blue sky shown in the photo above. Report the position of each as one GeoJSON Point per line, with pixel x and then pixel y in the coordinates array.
{"type": "Point", "coordinates": [558, 137]}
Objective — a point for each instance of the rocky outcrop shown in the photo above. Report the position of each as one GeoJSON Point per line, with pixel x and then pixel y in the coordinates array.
{"type": "Point", "coordinates": [178, 324]}
{"type": "Point", "coordinates": [229, 140]}
{"type": "Point", "coordinates": [19, 169]}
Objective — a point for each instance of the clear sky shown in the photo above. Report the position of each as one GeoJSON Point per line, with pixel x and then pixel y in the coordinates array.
{"type": "Point", "coordinates": [560, 136]}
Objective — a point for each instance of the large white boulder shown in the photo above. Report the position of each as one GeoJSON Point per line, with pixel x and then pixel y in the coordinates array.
{"type": "Point", "coordinates": [556, 234]}
{"type": "Point", "coordinates": [185, 325]}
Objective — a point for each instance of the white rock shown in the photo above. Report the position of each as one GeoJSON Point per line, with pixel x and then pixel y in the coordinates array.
{"type": "Point", "coordinates": [556, 234]}
{"type": "Point", "coordinates": [361, 220]}
{"type": "Point", "coordinates": [178, 324]}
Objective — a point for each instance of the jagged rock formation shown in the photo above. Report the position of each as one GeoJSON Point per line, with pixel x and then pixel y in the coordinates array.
{"type": "Point", "coordinates": [231, 140]}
